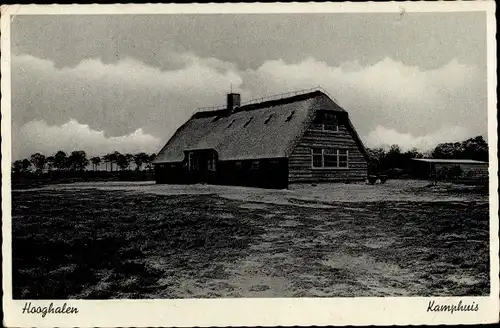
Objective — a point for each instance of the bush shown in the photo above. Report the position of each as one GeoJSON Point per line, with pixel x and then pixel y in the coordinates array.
{"type": "Point", "coordinates": [446, 173]}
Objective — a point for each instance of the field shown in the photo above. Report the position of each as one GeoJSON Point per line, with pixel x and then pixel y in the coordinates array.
{"type": "Point", "coordinates": [141, 240]}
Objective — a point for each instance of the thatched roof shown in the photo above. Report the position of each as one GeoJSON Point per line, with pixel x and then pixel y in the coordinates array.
{"type": "Point", "coordinates": [268, 129]}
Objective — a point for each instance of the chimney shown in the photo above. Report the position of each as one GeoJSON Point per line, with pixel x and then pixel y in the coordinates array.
{"type": "Point", "coordinates": [233, 101]}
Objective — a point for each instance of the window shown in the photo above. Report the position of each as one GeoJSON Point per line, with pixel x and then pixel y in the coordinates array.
{"type": "Point", "coordinates": [317, 126]}
{"type": "Point", "coordinates": [238, 165]}
{"type": "Point", "coordinates": [254, 165]}
{"type": "Point", "coordinates": [273, 164]}
{"type": "Point", "coordinates": [330, 127]}
{"type": "Point", "coordinates": [329, 158]}
{"type": "Point", "coordinates": [325, 122]}
{"type": "Point", "coordinates": [317, 157]}
{"type": "Point", "coordinates": [211, 163]}
{"type": "Point", "coordinates": [193, 163]}
{"type": "Point", "coordinates": [329, 117]}
{"type": "Point", "coordinates": [343, 158]}
{"type": "Point", "coordinates": [248, 122]}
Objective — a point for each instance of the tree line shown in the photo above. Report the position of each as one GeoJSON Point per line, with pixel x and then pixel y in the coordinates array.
{"type": "Point", "coordinates": [382, 160]}
{"type": "Point", "coordinates": [78, 161]}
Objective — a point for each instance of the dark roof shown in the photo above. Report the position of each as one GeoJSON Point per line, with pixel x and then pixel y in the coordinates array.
{"type": "Point", "coordinates": [269, 129]}
{"type": "Point", "coordinates": [449, 161]}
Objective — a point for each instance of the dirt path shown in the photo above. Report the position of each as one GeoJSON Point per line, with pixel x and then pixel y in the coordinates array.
{"type": "Point", "coordinates": [306, 195]}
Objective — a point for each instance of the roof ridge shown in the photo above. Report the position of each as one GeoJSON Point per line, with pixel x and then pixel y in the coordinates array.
{"type": "Point", "coordinates": [255, 106]}
{"type": "Point", "coordinates": [286, 95]}
{"type": "Point", "coordinates": [266, 99]}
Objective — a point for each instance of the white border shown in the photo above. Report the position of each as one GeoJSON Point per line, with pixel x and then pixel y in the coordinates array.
{"type": "Point", "coordinates": [246, 311]}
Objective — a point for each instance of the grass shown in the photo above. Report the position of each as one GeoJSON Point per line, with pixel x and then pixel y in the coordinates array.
{"type": "Point", "coordinates": [96, 244]}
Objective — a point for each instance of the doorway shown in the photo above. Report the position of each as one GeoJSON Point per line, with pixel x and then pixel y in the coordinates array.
{"type": "Point", "coordinates": [202, 166]}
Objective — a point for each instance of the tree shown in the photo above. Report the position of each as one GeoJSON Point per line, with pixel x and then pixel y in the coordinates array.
{"type": "Point", "coordinates": [393, 156]}
{"type": "Point", "coordinates": [413, 153]}
{"type": "Point", "coordinates": [392, 161]}
{"type": "Point", "coordinates": [38, 160]}
{"type": "Point", "coordinates": [149, 162]}
{"type": "Point", "coordinates": [123, 161]}
{"type": "Point", "coordinates": [448, 173]}
{"type": "Point", "coordinates": [130, 158]}
{"type": "Point", "coordinates": [106, 159]}
{"type": "Point", "coordinates": [60, 160]}
{"type": "Point", "coordinates": [455, 172]}
{"type": "Point", "coordinates": [473, 148]}
{"type": "Point", "coordinates": [50, 163]}
{"type": "Point", "coordinates": [407, 156]}
{"type": "Point", "coordinates": [26, 165]}
{"type": "Point", "coordinates": [95, 162]}
{"type": "Point", "coordinates": [113, 157]}
{"type": "Point", "coordinates": [375, 157]}
{"type": "Point", "coordinates": [444, 151]}
{"type": "Point", "coordinates": [17, 166]}
{"type": "Point", "coordinates": [78, 160]}
{"type": "Point", "coordinates": [140, 159]}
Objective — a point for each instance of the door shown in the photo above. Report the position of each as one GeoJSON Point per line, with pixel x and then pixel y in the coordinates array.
{"type": "Point", "coordinates": [202, 166]}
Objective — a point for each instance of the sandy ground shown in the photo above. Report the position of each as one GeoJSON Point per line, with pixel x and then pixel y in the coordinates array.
{"type": "Point", "coordinates": [302, 194]}
{"type": "Point", "coordinates": [141, 240]}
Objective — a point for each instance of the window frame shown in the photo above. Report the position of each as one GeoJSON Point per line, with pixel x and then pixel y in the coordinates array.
{"type": "Point", "coordinates": [255, 165]}
{"type": "Point", "coordinates": [324, 122]}
{"type": "Point", "coordinates": [313, 154]}
{"type": "Point", "coordinates": [346, 155]}
{"type": "Point", "coordinates": [193, 162]}
{"type": "Point", "coordinates": [248, 122]}
{"type": "Point", "coordinates": [337, 154]}
{"type": "Point", "coordinates": [212, 163]}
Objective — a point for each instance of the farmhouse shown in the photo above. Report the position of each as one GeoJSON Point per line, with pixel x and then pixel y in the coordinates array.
{"type": "Point", "coordinates": [300, 137]}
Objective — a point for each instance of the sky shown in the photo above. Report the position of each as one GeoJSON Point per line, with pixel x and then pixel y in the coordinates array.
{"type": "Point", "coordinates": [127, 82]}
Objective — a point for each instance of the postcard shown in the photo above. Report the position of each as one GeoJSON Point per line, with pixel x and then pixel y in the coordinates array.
{"type": "Point", "coordinates": [249, 164]}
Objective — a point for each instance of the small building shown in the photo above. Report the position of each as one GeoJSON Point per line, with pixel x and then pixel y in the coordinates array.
{"type": "Point", "coordinates": [304, 137]}
{"type": "Point", "coordinates": [461, 170]}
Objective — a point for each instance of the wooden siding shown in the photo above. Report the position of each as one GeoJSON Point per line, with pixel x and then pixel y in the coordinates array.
{"type": "Point", "coordinates": [300, 166]}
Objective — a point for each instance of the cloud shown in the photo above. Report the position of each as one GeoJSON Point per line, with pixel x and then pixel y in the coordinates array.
{"type": "Point", "coordinates": [388, 102]}
{"type": "Point", "coordinates": [387, 93]}
{"type": "Point", "coordinates": [116, 98]}
{"type": "Point", "coordinates": [38, 136]}
{"type": "Point", "coordinates": [384, 138]}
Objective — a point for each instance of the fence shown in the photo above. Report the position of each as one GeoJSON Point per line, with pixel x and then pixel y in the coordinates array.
{"type": "Point", "coordinates": [268, 98]}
